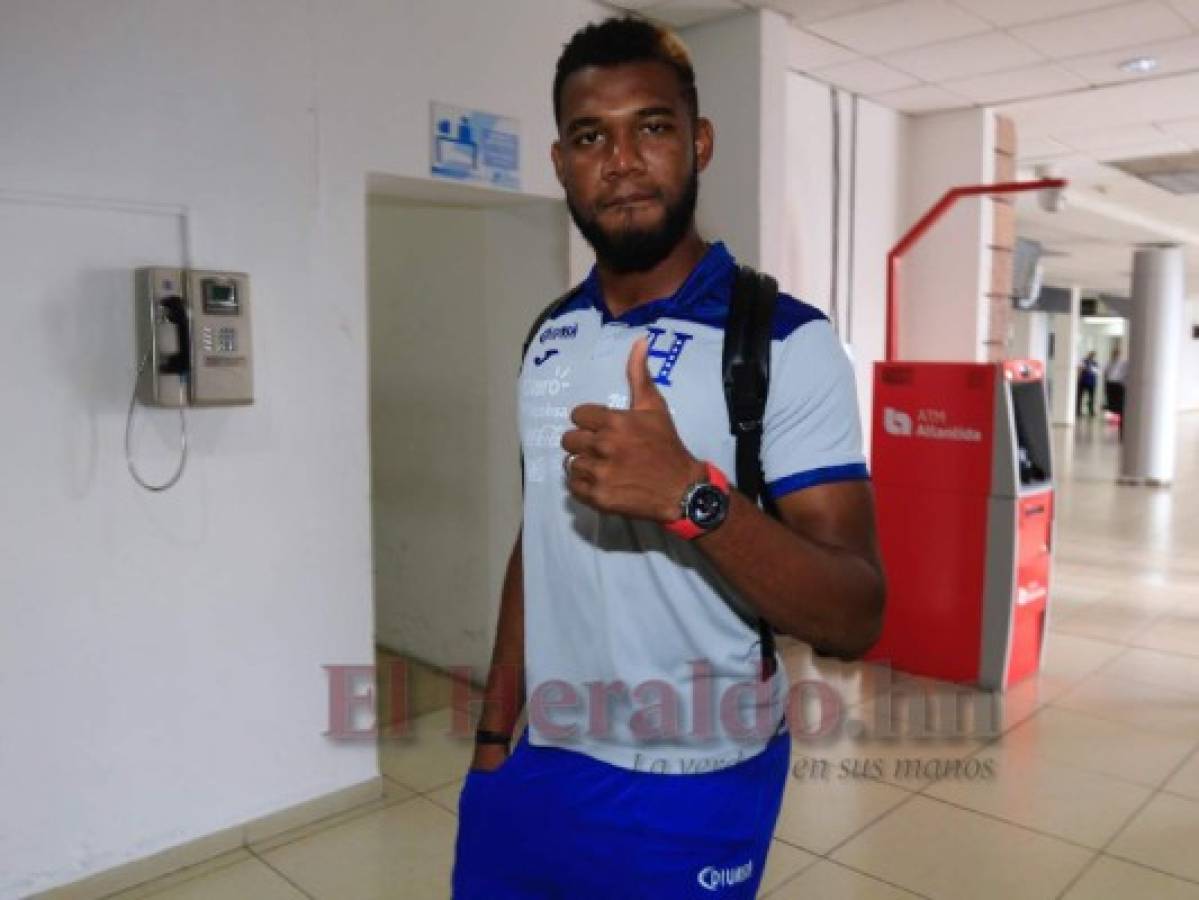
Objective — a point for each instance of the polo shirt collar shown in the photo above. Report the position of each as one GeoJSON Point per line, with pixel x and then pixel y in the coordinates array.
{"type": "Point", "coordinates": [712, 272]}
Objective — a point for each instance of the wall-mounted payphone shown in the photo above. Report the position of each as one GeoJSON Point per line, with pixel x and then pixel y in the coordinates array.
{"type": "Point", "coordinates": [193, 347]}
{"type": "Point", "coordinates": [193, 336]}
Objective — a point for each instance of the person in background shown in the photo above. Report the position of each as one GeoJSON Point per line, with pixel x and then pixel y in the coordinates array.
{"type": "Point", "coordinates": [1113, 386]}
{"type": "Point", "coordinates": [1088, 377]}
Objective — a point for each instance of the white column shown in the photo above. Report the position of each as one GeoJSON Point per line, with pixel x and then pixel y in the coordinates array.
{"type": "Point", "coordinates": [1150, 404]}
{"type": "Point", "coordinates": [1065, 360]}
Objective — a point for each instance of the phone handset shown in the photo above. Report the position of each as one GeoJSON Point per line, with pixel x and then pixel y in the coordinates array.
{"type": "Point", "coordinates": [174, 313]}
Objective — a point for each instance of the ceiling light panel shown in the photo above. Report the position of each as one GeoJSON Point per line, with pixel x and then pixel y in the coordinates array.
{"type": "Point", "coordinates": [1126, 25]}
{"type": "Point", "coordinates": [898, 26]}
{"type": "Point", "coordinates": [1104, 68]}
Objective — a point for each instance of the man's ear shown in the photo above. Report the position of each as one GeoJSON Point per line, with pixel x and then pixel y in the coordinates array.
{"type": "Point", "coordinates": [705, 138]}
{"type": "Point", "coordinates": [556, 157]}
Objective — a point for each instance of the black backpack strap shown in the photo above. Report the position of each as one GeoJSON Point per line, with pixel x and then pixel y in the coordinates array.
{"type": "Point", "coordinates": [746, 370]}
{"type": "Point", "coordinates": [542, 317]}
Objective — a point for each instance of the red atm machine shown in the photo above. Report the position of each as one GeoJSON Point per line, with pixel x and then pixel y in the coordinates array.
{"type": "Point", "coordinates": [963, 485]}
{"type": "Point", "coordinates": [960, 460]}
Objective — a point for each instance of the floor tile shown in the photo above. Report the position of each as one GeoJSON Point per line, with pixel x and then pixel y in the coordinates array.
{"type": "Point", "coordinates": [1172, 633]}
{"type": "Point", "coordinates": [1045, 795]}
{"type": "Point", "coordinates": [1174, 671]}
{"type": "Point", "coordinates": [1106, 623]}
{"type": "Point", "coordinates": [903, 738]}
{"type": "Point", "coordinates": [404, 850]}
{"type": "Point", "coordinates": [1186, 780]}
{"type": "Point", "coordinates": [244, 878]}
{"type": "Point", "coordinates": [447, 796]}
{"type": "Point", "coordinates": [1163, 836]}
{"type": "Point", "coordinates": [1116, 749]}
{"type": "Point", "coordinates": [1144, 705]}
{"type": "Point", "coordinates": [1114, 879]}
{"type": "Point", "coordinates": [817, 814]}
{"type": "Point", "coordinates": [1071, 657]}
{"type": "Point", "coordinates": [949, 854]}
{"type": "Point", "coordinates": [783, 862]}
{"type": "Point", "coordinates": [829, 881]}
{"type": "Point", "coordinates": [430, 756]}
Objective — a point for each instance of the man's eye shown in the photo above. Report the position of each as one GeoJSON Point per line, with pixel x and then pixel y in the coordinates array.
{"type": "Point", "coordinates": [586, 138]}
{"type": "Point", "coordinates": [657, 127]}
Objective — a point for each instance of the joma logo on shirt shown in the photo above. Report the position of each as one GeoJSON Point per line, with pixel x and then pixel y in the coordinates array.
{"type": "Point", "coordinates": [555, 332]}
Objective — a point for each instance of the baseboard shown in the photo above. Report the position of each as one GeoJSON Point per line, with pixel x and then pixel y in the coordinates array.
{"type": "Point", "coordinates": [194, 852]}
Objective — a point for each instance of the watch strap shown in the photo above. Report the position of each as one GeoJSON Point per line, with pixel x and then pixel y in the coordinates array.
{"type": "Point", "coordinates": [683, 526]}
{"type": "Point", "coordinates": [483, 736]}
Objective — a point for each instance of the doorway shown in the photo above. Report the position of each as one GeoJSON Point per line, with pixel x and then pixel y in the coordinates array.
{"type": "Point", "coordinates": [456, 275]}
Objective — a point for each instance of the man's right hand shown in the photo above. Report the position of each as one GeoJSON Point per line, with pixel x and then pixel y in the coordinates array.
{"type": "Point", "coordinates": [488, 757]}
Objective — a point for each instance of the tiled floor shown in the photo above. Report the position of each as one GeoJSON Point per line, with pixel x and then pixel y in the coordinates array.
{"type": "Point", "coordinates": [1094, 787]}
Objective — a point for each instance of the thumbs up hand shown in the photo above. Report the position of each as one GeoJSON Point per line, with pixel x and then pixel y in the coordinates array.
{"type": "Point", "coordinates": [631, 461]}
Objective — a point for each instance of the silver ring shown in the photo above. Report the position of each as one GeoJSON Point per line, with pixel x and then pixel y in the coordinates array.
{"type": "Point", "coordinates": [566, 461]}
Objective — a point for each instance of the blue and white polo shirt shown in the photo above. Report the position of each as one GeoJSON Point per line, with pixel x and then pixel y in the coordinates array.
{"type": "Point", "coordinates": [637, 652]}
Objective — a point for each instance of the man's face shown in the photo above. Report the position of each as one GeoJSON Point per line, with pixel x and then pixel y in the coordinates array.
{"type": "Point", "coordinates": [629, 155]}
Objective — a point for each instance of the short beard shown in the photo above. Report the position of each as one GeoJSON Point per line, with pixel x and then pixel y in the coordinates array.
{"type": "Point", "coordinates": [636, 249]}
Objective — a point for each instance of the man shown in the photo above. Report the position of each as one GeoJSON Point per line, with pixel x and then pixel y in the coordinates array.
{"type": "Point", "coordinates": [655, 756]}
{"type": "Point", "coordinates": [1088, 377]}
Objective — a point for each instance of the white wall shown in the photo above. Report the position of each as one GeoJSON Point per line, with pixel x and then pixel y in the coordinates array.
{"type": "Point", "coordinates": [162, 654]}
{"type": "Point", "coordinates": [453, 292]}
{"type": "Point", "coordinates": [728, 77]}
{"type": "Point", "coordinates": [876, 223]}
{"type": "Point", "coordinates": [942, 305]}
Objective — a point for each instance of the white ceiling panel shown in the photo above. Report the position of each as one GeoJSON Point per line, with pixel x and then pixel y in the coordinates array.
{"type": "Point", "coordinates": [1171, 98]}
{"type": "Point", "coordinates": [1172, 57]}
{"type": "Point", "coordinates": [681, 13]}
{"type": "Point", "coordinates": [865, 76]}
{"type": "Point", "coordinates": [1105, 29]}
{"type": "Point", "coordinates": [1019, 12]}
{"type": "Point", "coordinates": [1189, 9]}
{"type": "Point", "coordinates": [1162, 147]}
{"type": "Point", "coordinates": [921, 99]}
{"type": "Point", "coordinates": [1033, 81]}
{"type": "Point", "coordinates": [897, 26]}
{"type": "Point", "coordinates": [975, 55]}
{"type": "Point", "coordinates": [1107, 138]}
{"type": "Point", "coordinates": [1183, 129]}
{"type": "Point", "coordinates": [807, 51]}
{"type": "Point", "coordinates": [1029, 148]}
{"type": "Point", "coordinates": [805, 11]}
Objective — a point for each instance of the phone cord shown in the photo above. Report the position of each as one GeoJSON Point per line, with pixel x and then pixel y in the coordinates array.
{"type": "Point", "coordinates": [129, 435]}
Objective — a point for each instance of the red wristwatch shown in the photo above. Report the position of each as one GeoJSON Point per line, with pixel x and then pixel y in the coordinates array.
{"type": "Point", "coordinates": [704, 505]}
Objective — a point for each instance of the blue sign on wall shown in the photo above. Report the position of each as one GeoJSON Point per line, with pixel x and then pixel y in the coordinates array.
{"type": "Point", "coordinates": [469, 145]}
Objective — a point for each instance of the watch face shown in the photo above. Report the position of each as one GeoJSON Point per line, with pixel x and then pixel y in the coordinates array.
{"type": "Point", "coordinates": [708, 506]}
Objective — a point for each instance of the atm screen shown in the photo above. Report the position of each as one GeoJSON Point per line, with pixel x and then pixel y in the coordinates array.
{"type": "Point", "coordinates": [1032, 432]}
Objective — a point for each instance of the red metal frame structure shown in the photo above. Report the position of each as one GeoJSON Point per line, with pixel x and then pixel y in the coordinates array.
{"type": "Point", "coordinates": [927, 221]}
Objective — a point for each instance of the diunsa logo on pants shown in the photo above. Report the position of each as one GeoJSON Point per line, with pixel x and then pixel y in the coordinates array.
{"type": "Point", "coordinates": [711, 878]}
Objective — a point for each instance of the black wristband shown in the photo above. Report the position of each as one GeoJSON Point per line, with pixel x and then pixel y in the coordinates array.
{"type": "Point", "coordinates": [483, 736]}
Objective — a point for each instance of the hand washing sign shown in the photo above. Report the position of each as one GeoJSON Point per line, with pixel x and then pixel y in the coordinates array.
{"type": "Point", "coordinates": [469, 145]}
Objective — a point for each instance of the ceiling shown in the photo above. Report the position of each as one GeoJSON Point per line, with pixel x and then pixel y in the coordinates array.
{"type": "Point", "coordinates": [1054, 67]}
